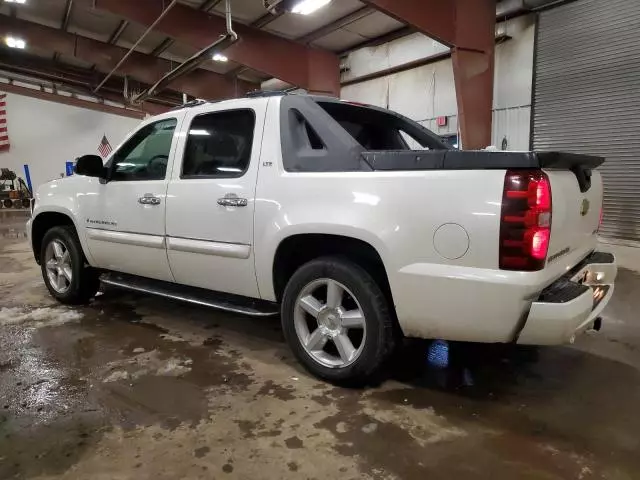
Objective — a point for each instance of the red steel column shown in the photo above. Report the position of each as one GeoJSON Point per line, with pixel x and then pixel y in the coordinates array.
{"type": "Point", "coordinates": [468, 27]}
{"type": "Point", "coordinates": [473, 70]}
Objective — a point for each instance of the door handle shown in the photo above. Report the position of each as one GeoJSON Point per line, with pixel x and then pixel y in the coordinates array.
{"type": "Point", "coordinates": [232, 200]}
{"type": "Point", "coordinates": [149, 199]}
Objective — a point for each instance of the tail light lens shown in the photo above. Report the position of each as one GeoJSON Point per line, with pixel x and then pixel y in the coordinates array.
{"type": "Point", "coordinates": [525, 223]}
{"type": "Point", "coordinates": [600, 220]}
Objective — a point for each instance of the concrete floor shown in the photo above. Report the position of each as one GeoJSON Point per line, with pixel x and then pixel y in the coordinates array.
{"type": "Point", "coordinates": [138, 387]}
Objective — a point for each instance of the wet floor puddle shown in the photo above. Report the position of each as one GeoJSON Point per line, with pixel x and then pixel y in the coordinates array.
{"type": "Point", "coordinates": [530, 412]}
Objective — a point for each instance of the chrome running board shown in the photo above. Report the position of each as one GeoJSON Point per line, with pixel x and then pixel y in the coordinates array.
{"type": "Point", "coordinates": [195, 296]}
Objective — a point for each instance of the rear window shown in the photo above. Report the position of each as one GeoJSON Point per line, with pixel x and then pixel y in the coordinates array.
{"type": "Point", "coordinates": [219, 144]}
{"type": "Point", "coordinates": [376, 129]}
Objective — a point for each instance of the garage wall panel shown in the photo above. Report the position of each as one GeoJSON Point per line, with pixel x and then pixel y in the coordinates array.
{"type": "Point", "coordinates": [427, 92]}
{"type": "Point", "coordinates": [404, 50]}
{"type": "Point", "coordinates": [45, 135]}
{"type": "Point", "coordinates": [512, 125]}
{"type": "Point", "coordinates": [374, 92]}
{"type": "Point", "coordinates": [587, 97]}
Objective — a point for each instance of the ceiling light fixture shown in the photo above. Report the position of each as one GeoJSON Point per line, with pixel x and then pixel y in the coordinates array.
{"type": "Point", "coordinates": [218, 57]}
{"type": "Point", "coordinates": [22, 2]}
{"type": "Point", "coordinates": [13, 42]}
{"type": "Point", "coordinates": [305, 7]}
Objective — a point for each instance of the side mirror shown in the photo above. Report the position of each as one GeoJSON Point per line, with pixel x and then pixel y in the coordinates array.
{"type": "Point", "coordinates": [90, 166]}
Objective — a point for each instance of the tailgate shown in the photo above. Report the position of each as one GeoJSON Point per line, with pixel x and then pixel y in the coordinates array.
{"type": "Point", "coordinates": [576, 207]}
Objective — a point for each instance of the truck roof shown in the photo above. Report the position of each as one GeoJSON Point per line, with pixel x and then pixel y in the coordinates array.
{"type": "Point", "coordinates": [257, 94]}
{"type": "Point", "coordinates": [265, 94]}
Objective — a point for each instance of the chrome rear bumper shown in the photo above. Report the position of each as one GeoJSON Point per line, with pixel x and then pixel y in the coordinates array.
{"type": "Point", "coordinates": [572, 304]}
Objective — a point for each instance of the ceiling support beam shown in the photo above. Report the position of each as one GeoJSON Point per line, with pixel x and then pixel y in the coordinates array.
{"type": "Point", "coordinates": [381, 40]}
{"type": "Point", "coordinates": [141, 67]}
{"type": "Point", "coordinates": [468, 27]}
{"type": "Point", "coordinates": [473, 70]}
{"type": "Point", "coordinates": [166, 43]}
{"type": "Point", "coordinates": [206, 6]}
{"type": "Point", "coordinates": [266, 19]}
{"type": "Point", "coordinates": [69, 100]}
{"type": "Point", "coordinates": [313, 69]}
{"type": "Point", "coordinates": [68, 9]}
{"type": "Point", "coordinates": [117, 33]}
{"type": "Point", "coordinates": [36, 70]}
{"type": "Point", "coordinates": [333, 26]}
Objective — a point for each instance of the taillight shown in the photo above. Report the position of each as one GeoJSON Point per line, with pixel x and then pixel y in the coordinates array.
{"type": "Point", "coordinates": [525, 222]}
{"type": "Point", "coordinates": [600, 220]}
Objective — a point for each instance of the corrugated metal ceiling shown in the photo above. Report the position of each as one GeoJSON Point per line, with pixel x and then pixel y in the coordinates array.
{"type": "Point", "coordinates": [85, 21]}
{"type": "Point", "coordinates": [100, 26]}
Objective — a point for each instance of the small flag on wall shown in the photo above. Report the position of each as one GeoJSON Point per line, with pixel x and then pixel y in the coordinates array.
{"type": "Point", "coordinates": [4, 133]}
{"type": "Point", "coordinates": [105, 147]}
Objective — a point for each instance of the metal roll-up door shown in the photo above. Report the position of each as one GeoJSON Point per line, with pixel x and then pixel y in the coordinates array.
{"type": "Point", "coordinates": [587, 97]}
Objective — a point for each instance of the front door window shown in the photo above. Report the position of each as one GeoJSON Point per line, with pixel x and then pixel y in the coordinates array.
{"type": "Point", "coordinates": [145, 155]}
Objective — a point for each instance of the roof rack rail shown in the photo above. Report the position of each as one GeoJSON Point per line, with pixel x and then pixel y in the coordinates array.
{"type": "Point", "coordinates": [266, 93]}
{"type": "Point", "coordinates": [192, 103]}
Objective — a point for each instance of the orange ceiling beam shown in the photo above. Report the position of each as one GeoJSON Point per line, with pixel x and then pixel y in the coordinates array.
{"type": "Point", "coordinates": [73, 101]}
{"type": "Point", "coordinates": [139, 66]}
{"type": "Point", "coordinates": [305, 67]}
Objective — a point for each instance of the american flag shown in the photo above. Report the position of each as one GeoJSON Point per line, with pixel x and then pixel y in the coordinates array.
{"type": "Point", "coordinates": [4, 134]}
{"type": "Point", "coordinates": [105, 147]}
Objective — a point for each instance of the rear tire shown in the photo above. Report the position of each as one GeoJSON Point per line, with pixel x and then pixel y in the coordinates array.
{"type": "Point", "coordinates": [64, 269]}
{"type": "Point", "coordinates": [344, 336]}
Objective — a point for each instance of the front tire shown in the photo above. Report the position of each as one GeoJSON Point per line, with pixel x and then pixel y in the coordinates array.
{"type": "Point", "coordinates": [336, 321]}
{"type": "Point", "coordinates": [64, 269]}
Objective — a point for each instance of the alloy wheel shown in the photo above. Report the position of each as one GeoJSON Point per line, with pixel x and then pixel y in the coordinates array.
{"type": "Point", "coordinates": [330, 323]}
{"type": "Point", "coordinates": [58, 266]}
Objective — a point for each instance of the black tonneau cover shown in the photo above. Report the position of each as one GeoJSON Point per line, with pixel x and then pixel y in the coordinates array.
{"type": "Point", "coordinates": [477, 160]}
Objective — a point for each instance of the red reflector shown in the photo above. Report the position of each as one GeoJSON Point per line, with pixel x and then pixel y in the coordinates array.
{"type": "Point", "coordinates": [539, 243]}
{"type": "Point", "coordinates": [601, 216]}
{"type": "Point", "coordinates": [517, 194]}
{"type": "Point", "coordinates": [540, 194]}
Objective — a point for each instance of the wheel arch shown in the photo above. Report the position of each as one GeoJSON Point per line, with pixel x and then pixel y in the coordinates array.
{"type": "Point", "coordinates": [297, 249]}
{"type": "Point", "coordinates": [43, 222]}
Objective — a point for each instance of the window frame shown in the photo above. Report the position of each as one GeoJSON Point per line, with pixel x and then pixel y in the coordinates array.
{"type": "Point", "coordinates": [308, 132]}
{"type": "Point", "coordinates": [214, 176]}
{"type": "Point", "coordinates": [112, 163]}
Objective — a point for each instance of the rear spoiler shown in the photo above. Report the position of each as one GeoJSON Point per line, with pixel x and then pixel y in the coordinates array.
{"type": "Point", "coordinates": [477, 160]}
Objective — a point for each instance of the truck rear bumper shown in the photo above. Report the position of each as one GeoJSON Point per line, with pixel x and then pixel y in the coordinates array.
{"type": "Point", "coordinates": [572, 304]}
{"type": "Point", "coordinates": [497, 306]}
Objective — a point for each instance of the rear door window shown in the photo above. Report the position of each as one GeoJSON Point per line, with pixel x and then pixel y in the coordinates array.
{"type": "Point", "coordinates": [219, 145]}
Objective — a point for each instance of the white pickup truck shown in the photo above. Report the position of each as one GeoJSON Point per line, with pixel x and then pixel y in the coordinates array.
{"type": "Point", "coordinates": [355, 224]}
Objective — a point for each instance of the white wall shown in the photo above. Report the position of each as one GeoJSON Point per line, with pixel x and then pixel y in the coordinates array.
{"type": "Point", "coordinates": [46, 134]}
{"type": "Point", "coordinates": [428, 92]}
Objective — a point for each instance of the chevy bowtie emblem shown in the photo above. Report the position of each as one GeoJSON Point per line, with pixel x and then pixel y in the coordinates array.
{"type": "Point", "coordinates": [584, 209]}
